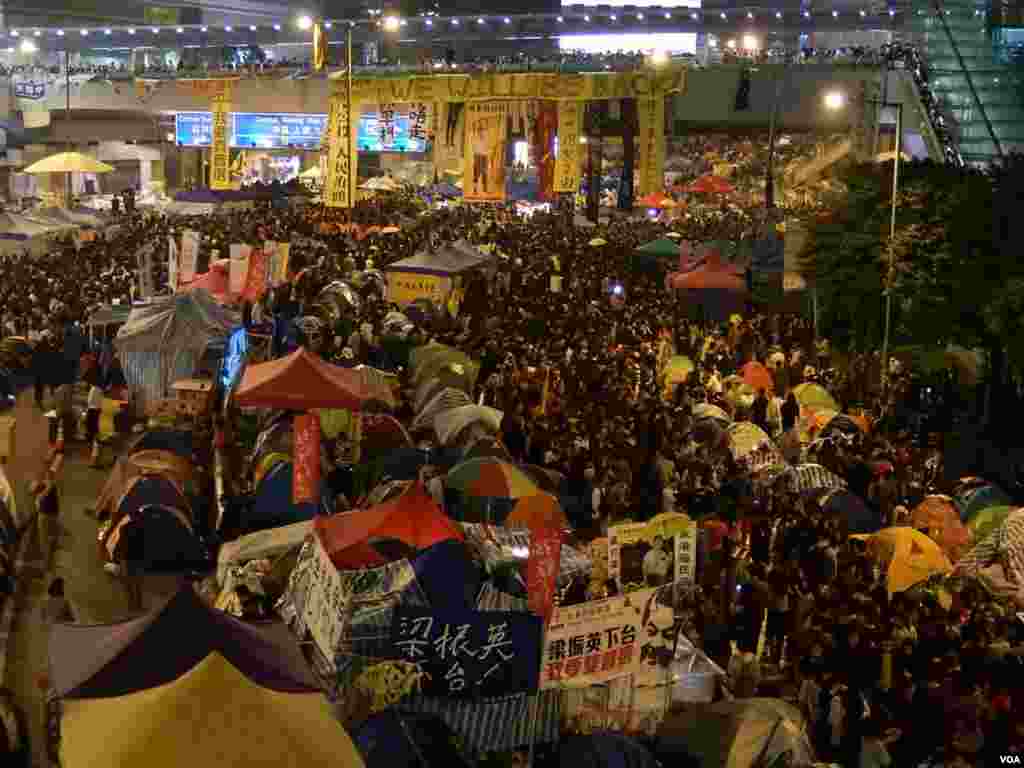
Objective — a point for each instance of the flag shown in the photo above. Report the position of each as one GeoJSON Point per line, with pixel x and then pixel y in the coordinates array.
{"type": "Point", "coordinates": [306, 469]}
{"type": "Point", "coordinates": [542, 569]}
{"type": "Point", "coordinates": [319, 47]}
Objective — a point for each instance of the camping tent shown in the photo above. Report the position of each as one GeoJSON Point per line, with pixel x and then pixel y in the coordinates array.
{"type": "Point", "coordinates": [272, 504]}
{"type": "Point", "coordinates": [212, 716]}
{"type": "Point", "coordinates": [164, 341]}
{"type": "Point", "coordinates": [413, 519]}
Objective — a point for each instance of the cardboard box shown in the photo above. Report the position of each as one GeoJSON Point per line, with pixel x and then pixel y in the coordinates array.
{"type": "Point", "coordinates": [194, 396]}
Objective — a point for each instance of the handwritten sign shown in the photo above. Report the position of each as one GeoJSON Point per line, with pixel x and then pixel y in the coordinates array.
{"type": "Point", "coordinates": [542, 570]}
{"type": "Point", "coordinates": [306, 467]}
{"type": "Point", "coordinates": [327, 603]}
{"type": "Point", "coordinates": [470, 653]}
{"type": "Point", "coordinates": [595, 641]}
{"type": "Point", "coordinates": [256, 277]}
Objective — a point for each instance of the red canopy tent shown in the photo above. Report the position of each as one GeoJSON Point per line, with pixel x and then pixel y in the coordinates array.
{"type": "Point", "coordinates": [709, 184]}
{"type": "Point", "coordinates": [302, 381]}
{"type": "Point", "coordinates": [216, 282]}
{"type": "Point", "coordinates": [412, 519]}
{"type": "Point", "coordinates": [712, 274]}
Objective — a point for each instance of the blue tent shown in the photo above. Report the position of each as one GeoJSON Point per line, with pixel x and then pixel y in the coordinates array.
{"type": "Point", "coordinates": [173, 440]}
{"type": "Point", "coordinates": [272, 503]}
{"type": "Point", "coordinates": [393, 739]}
{"type": "Point", "coordinates": [157, 540]}
{"type": "Point", "coordinates": [149, 490]}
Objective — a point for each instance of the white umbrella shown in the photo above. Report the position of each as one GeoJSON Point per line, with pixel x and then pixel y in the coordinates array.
{"type": "Point", "coordinates": [69, 162]}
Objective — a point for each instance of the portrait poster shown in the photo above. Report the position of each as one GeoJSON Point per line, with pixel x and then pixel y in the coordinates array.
{"type": "Point", "coordinates": [653, 554]}
{"type": "Point", "coordinates": [483, 178]}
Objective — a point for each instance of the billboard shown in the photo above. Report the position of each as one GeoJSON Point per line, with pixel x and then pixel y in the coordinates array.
{"type": "Point", "coordinates": [269, 130]}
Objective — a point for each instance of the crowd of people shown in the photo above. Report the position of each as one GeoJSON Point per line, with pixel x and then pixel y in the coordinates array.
{"type": "Point", "coordinates": [875, 675]}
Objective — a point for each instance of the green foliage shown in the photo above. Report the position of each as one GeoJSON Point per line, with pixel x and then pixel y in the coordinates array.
{"type": "Point", "coordinates": [956, 277]}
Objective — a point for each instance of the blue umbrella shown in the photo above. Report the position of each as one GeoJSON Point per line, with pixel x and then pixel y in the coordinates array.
{"type": "Point", "coordinates": [604, 750]}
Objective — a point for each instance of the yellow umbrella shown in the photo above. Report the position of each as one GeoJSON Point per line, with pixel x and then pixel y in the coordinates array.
{"type": "Point", "coordinates": [815, 397]}
{"type": "Point", "coordinates": [69, 162]}
{"type": "Point", "coordinates": [597, 242]}
{"type": "Point", "coordinates": [912, 556]}
{"type": "Point", "coordinates": [211, 716]}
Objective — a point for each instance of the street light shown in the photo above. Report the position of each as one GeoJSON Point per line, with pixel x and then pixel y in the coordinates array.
{"type": "Point", "coordinates": [834, 100]}
{"type": "Point", "coordinates": [305, 22]}
{"type": "Point", "coordinates": [750, 43]}
{"type": "Point", "coordinates": [392, 23]}
{"type": "Point", "coordinates": [28, 47]}
{"type": "Point", "coordinates": [659, 58]}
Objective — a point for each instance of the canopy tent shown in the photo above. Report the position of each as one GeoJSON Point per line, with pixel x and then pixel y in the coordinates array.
{"type": "Point", "coordinates": [69, 162]}
{"type": "Point", "coordinates": [164, 341]}
{"type": "Point", "coordinates": [452, 259]}
{"type": "Point", "coordinates": [741, 733]}
{"type": "Point", "coordinates": [413, 520]}
{"type": "Point", "coordinates": [940, 516]}
{"type": "Point", "coordinates": [302, 381]}
{"type": "Point", "coordinates": [213, 716]}
{"type": "Point", "coordinates": [911, 556]}
{"type": "Point", "coordinates": [108, 660]}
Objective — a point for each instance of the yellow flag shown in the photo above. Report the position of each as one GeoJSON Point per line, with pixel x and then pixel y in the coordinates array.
{"type": "Point", "coordinates": [567, 164]}
{"type": "Point", "coordinates": [651, 158]}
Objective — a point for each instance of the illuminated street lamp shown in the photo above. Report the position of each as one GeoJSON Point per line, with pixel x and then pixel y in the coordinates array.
{"type": "Point", "coordinates": [305, 22]}
{"type": "Point", "coordinates": [834, 100]}
{"type": "Point", "coordinates": [28, 47]}
{"type": "Point", "coordinates": [750, 43]}
{"type": "Point", "coordinates": [392, 23]}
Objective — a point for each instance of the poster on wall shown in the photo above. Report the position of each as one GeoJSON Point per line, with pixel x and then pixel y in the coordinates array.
{"type": "Point", "coordinates": [189, 256]}
{"type": "Point", "coordinates": [651, 136]}
{"type": "Point", "coordinates": [567, 163]}
{"type": "Point", "coordinates": [220, 155]}
{"type": "Point", "coordinates": [483, 176]}
{"type": "Point", "coordinates": [659, 552]}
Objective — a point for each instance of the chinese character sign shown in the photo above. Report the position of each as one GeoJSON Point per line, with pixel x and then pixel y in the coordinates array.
{"type": "Point", "coordinates": [418, 122]}
{"type": "Point", "coordinates": [652, 554]}
{"type": "Point", "coordinates": [542, 569]}
{"type": "Point", "coordinates": [306, 467]}
{"type": "Point", "coordinates": [486, 132]}
{"type": "Point", "coordinates": [567, 163]}
{"type": "Point", "coordinates": [340, 189]}
{"type": "Point", "coordinates": [406, 287]}
{"type": "Point", "coordinates": [470, 653]}
{"type": "Point", "coordinates": [595, 641]}
{"type": "Point", "coordinates": [220, 158]}
{"type": "Point", "coordinates": [651, 135]}
{"type": "Point", "coordinates": [327, 603]}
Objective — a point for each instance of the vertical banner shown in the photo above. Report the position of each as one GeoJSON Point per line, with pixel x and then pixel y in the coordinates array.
{"type": "Point", "coordinates": [172, 263]}
{"type": "Point", "coordinates": [306, 465]}
{"type": "Point", "coordinates": [238, 269]}
{"type": "Point", "coordinates": [256, 276]}
{"type": "Point", "coordinates": [189, 256]}
{"type": "Point", "coordinates": [542, 570]}
{"type": "Point", "coordinates": [144, 266]}
{"type": "Point", "coordinates": [545, 128]}
{"type": "Point", "coordinates": [567, 164]}
{"type": "Point", "coordinates": [279, 275]}
{"type": "Point", "coordinates": [483, 177]}
{"type": "Point", "coordinates": [651, 119]}
{"type": "Point", "coordinates": [340, 189]}
{"type": "Point", "coordinates": [220, 158]}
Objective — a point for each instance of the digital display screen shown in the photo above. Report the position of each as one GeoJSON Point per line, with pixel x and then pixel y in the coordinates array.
{"type": "Point", "coordinates": [193, 129]}
{"type": "Point", "coordinates": [374, 136]}
{"type": "Point", "coordinates": [277, 131]}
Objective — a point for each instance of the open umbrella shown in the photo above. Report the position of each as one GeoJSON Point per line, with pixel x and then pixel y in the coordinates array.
{"type": "Point", "coordinates": [678, 370]}
{"type": "Point", "coordinates": [757, 377]}
{"type": "Point", "coordinates": [745, 438]}
{"type": "Point", "coordinates": [940, 516]}
{"type": "Point", "coordinates": [656, 200]}
{"type": "Point", "coordinates": [444, 399]}
{"type": "Point", "coordinates": [987, 521]}
{"type": "Point", "coordinates": [710, 185]}
{"type": "Point", "coordinates": [69, 162]}
{"type": "Point", "coordinates": [709, 411]}
{"type": "Point", "coordinates": [490, 478]}
{"type": "Point", "coordinates": [597, 242]}
{"type": "Point", "coordinates": [815, 396]}
{"type": "Point", "coordinates": [911, 556]}
{"type": "Point", "coordinates": [977, 500]}
{"type": "Point", "coordinates": [449, 423]}
{"type": "Point", "coordinates": [541, 510]}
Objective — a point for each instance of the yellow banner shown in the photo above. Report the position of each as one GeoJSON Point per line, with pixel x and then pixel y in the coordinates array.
{"type": "Point", "coordinates": [567, 163]}
{"type": "Point", "coordinates": [483, 177]}
{"type": "Point", "coordinates": [524, 85]}
{"type": "Point", "coordinates": [211, 87]}
{"type": "Point", "coordinates": [407, 287]}
{"type": "Point", "coordinates": [220, 156]}
{"type": "Point", "coordinates": [342, 169]}
{"type": "Point", "coordinates": [651, 159]}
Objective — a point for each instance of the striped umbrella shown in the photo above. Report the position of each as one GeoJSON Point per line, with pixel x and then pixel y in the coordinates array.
{"type": "Point", "coordinates": [709, 411]}
{"type": "Point", "coordinates": [442, 401]}
{"type": "Point", "coordinates": [988, 521]}
{"type": "Point", "coordinates": [488, 477]}
{"type": "Point", "coordinates": [808, 478]}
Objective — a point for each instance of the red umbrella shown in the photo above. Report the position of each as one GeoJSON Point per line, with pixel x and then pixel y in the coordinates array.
{"type": "Point", "coordinates": [757, 376]}
{"type": "Point", "coordinates": [711, 185]}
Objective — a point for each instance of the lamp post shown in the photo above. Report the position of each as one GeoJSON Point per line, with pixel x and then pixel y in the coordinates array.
{"type": "Point", "coordinates": [769, 174]}
{"type": "Point", "coordinates": [834, 100]}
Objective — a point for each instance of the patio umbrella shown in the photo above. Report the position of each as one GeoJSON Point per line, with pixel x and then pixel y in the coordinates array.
{"type": "Point", "coordinates": [710, 185]}
{"type": "Point", "coordinates": [490, 478]}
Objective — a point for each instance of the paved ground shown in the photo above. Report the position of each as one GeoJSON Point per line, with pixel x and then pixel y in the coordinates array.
{"type": "Point", "coordinates": [95, 596]}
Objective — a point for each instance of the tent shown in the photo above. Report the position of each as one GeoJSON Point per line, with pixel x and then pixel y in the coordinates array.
{"type": "Point", "coordinates": [742, 733]}
{"type": "Point", "coordinates": [164, 341]}
{"type": "Point", "coordinates": [912, 556]}
{"type": "Point", "coordinates": [174, 441]}
{"type": "Point", "coordinates": [146, 490]}
{"type": "Point", "coordinates": [213, 716]}
{"type": "Point", "coordinates": [302, 381]}
{"type": "Point", "coordinates": [108, 660]}
{"type": "Point", "coordinates": [272, 505]}
{"type": "Point", "coordinates": [404, 740]}
{"type": "Point", "coordinates": [357, 539]}
{"type": "Point", "coordinates": [157, 539]}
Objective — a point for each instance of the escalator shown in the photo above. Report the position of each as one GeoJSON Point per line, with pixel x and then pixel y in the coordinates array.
{"type": "Point", "coordinates": [978, 92]}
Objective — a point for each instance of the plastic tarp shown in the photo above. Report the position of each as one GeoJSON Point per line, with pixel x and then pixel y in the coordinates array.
{"type": "Point", "coordinates": [413, 519]}
{"type": "Point", "coordinates": [92, 661]}
{"type": "Point", "coordinates": [743, 733]}
{"type": "Point", "coordinates": [214, 716]}
{"type": "Point", "coordinates": [302, 381]}
{"type": "Point", "coordinates": [164, 341]}
{"type": "Point", "coordinates": [261, 544]}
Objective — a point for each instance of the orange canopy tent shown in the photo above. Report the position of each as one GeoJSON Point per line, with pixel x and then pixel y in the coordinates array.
{"type": "Point", "coordinates": [413, 519]}
{"type": "Point", "coordinates": [302, 381]}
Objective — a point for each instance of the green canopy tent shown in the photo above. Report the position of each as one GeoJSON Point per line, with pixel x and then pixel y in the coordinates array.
{"type": "Point", "coordinates": [651, 257]}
